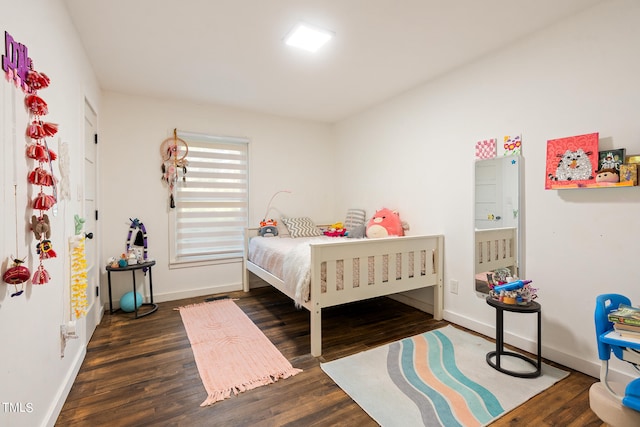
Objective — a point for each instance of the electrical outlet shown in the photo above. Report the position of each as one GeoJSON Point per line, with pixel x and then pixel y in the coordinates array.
{"type": "Point", "coordinates": [453, 286]}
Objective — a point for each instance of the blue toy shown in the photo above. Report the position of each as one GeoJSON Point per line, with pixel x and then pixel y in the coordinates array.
{"type": "Point", "coordinates": [126, 302]}
{"type": "Point", "coordinates": [511, 286]}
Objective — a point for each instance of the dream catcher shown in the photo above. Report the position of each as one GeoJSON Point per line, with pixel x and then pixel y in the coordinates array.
{"type": "Point", "coordinates": [174, 163]}
{"type": "Point", "coordinates": [42, 176]}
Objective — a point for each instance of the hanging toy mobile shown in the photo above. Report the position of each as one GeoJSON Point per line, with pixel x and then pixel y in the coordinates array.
{"type": "Point", "coordinates": [174, 162]}
{"type": "Point", "coordinates": [42, 176]}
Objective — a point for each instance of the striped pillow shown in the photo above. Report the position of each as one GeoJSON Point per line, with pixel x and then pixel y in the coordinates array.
{"type": "Point", "coordinates": [301, 227]}
{"type": "Point", "coordinates": [354, 218]}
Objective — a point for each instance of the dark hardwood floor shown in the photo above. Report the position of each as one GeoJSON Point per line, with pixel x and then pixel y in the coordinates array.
{"type": "Point", "coordinates": [142, 372]}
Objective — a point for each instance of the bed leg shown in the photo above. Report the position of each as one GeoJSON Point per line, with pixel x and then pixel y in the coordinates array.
{"type": "Point", "coordinates": [245, 278]}
{"type": "Point", "coordinates": [437, 301]}
{"type": "Point", "coordinates": [316, 332]}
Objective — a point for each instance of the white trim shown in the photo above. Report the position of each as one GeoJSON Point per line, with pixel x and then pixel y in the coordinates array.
{"type": "Point", "coordinates": [213, 138]}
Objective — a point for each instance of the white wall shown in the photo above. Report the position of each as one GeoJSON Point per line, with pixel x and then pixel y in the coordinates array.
{"type": "Point", "coordinates": [416, 154]}
{"type": "Point", "coordinates": [34, 379]}
{"type": "Point", "coordinates": [413, 153]}
{"type": "Point", "coordinates": [283, 154]}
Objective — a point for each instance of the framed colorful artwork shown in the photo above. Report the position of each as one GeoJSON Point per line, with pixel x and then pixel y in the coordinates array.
{"type": "Point", "coordinates": [571, 161]}
{"type": "Point", "coordinates": [611, 159]}
{"type": "Point", "coordinates": [486, 149]}
{"type": "Point", "coordinates": [512, 145]}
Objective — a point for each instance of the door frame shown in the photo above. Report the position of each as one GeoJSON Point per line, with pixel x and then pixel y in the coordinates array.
{"type": "Point", "coordinates": [95, 311]}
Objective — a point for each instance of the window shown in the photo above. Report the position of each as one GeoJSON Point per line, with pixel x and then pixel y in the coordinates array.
{"type": "Point", "coordinates": [208, 221]}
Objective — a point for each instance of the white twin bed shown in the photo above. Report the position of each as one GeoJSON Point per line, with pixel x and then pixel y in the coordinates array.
{"type": "Point", "coordinates": [320, 272]}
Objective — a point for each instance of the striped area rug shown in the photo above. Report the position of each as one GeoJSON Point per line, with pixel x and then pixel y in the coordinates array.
{"type": "Point", "coordinates": [439, 378]}
{"type": "Point", "coordinates": [231, 352]}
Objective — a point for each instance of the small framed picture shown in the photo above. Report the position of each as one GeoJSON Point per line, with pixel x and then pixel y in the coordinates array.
{"type": "Point", "coordinates": [629, 173]}
{"type": "Point", "coordinates": [611, 159]}
{"type": "Point", "coordinates": [632, 159]}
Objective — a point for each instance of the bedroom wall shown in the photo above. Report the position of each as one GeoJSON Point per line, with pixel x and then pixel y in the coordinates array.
{"type": "Point", "coordinates": [576, 77]}
{"type": "Point", "coordinates": [34, 378]}
{"type": "Point", "coordinates": [283, 154]}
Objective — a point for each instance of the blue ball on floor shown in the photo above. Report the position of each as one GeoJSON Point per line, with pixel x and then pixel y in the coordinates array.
{"type": "Point", "coordinates": [126, 302]}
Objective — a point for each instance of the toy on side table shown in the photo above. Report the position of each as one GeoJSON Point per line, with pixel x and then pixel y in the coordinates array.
{"type": "Point", "coordinates": [514, 292]}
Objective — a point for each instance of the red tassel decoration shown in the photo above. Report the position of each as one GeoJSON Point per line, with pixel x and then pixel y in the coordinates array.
{"type": "Point", "coordinates": [36, 105]}
{"type": "Point", "coordinates": [37, 152]}
{"type": "Point", "coordinates": [38, 129]}
{"type": "Point", "coordinates": [50, 129]}
{"type": "Point", "coordinates": [41, 276]}
{"type": "Point", "coordinates": [40, 176]}
{"type": "Point", "coordinates": [36, 80]}
{"type": "Point", "coordinates": [35, 130]}
{"type": "Point", "coordinates": [43, 202]}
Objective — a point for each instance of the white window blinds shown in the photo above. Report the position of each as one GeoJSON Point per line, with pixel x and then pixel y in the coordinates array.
{"type": "Point", "coordinates": [210, 215]}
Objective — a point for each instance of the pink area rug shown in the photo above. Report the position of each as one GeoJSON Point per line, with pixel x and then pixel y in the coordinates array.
{"type": "Point", "coordinates": [231, 353]}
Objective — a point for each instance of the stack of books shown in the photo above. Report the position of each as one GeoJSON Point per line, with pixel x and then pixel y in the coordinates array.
{"type": "Point", "coordinates": [626, 321]}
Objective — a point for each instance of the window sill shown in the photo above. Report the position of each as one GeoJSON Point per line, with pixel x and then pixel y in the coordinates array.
{"type": "Point", "coordinates": [175, 264]}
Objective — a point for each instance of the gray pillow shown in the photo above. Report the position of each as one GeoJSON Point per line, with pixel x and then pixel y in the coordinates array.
{"type": "Point", "coordinates": [357, 232]}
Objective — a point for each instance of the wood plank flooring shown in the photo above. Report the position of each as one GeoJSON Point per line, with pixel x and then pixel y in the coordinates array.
{"type": "Point", "coordinates": [142, 372]}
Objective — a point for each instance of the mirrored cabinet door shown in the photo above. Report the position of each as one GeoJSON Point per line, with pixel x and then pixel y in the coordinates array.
{"type": "Point", "coordinates": [497, 213]}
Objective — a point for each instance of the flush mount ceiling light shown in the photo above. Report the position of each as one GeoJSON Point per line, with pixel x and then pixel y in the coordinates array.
{"type": "Point", "coordinates": [307, 37]}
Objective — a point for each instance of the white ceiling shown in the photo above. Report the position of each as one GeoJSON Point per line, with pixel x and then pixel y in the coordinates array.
{"type": "Point", "coordinates": [230, 52]}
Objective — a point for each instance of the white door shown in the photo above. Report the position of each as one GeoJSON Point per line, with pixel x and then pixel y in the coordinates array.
{"type": "Point", "coordinates": [95, 309]}
{"type": "Point", "coordinates": [488, 194]}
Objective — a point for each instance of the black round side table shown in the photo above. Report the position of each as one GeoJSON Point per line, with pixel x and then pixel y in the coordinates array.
{"type": "Point", "coordinates": [532, 307]}
{"type": "Point", "coordinates": [132, 268]}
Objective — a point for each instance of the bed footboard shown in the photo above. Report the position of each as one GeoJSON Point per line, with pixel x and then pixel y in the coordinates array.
{"type": "Point", "coordinates": [372, 268]}
{"type": "Point", "coordinates": [351, 270]}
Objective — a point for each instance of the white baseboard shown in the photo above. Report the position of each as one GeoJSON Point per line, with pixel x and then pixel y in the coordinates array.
{"type": "Point", "coordinates": [172, 296]}
{"type": "Point", "coordinates": [65, 388]}
{"type": "Point", "coordinates": [588, 367]}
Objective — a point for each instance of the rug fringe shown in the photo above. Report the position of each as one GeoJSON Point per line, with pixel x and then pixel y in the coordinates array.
{"type": "Point", "coordinates": [218, 395]}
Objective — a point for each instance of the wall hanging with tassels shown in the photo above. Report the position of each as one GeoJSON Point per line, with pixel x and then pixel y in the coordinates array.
{"type": "Point", "coordinates": [42, 175]}
{"type": "Point", "coordinates": [174, 152]}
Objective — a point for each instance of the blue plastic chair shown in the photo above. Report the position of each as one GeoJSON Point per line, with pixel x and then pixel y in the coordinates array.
{"type": "Point", "coordinates": [621, 348]}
